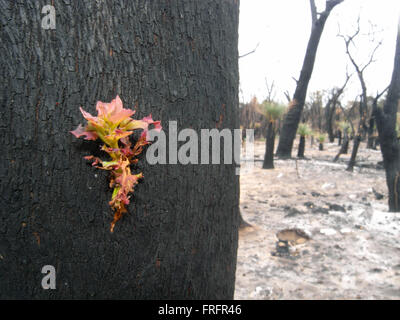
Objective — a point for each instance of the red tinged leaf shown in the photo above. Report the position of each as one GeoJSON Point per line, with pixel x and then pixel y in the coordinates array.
{"type": "Point", "coordinates": [113, 111]}
{"type": "Point", "coordinates": [112, 125]}
{"type": "Point", "coordinates": [80, 131]}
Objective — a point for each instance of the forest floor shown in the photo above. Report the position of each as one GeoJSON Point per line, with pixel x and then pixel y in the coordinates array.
{"type": "Point", "coordinates": [337, 238]}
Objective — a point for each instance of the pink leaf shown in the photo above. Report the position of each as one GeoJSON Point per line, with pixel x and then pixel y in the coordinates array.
{"type": "Point", "coordinates": [80, 131]}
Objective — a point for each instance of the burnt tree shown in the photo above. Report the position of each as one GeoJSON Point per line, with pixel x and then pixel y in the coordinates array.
{"type": "Point", "coordinates": [175, 59]}
{"type": "Point", "coordinates": [386, 124]}
{"type": "Point", "coordinates": [272, 113]}
{"type": "Point", "coordinates": [269, 146]}
{"type": "Point", "coordinates": [293, 116]}
{"type": "Point", "coordinates": [345, 143]}
{"type": "Point", "coordinates": [363, 127]}
{"type": "Point", "coordinates": [302, 146]}
{"type": "Point", "coordinates": [330, 108]}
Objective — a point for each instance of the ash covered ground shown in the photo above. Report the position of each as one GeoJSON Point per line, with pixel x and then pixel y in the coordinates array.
{"type": "Point", "coordinates": [318, 231]}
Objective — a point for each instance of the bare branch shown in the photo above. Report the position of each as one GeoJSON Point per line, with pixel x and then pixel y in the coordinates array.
{"type": "Point", "coordinates": [270, 90]}
{"type": "Point", "coordinates": [254, 50]}
{"type": "Point", "coordinates": [330, 4]}
{"type": "Point", "coordinates": [378, 95]}
{"type": "Point", "coordinates": [341, 89]}
{"type": "Point", "coordinates": [313, 12]}
{"type": "Point", "coordinates": [371, 58]}
{"type": "Point", "coordinates": [287, 95]}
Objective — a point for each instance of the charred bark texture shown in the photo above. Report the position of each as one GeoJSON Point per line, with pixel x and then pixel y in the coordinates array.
{"type": "Point", "coordinates": [386, 124]}
{"type": "Point", "coordinates": [293, 116]}
{"type": "Point", "coordinates": [175, 59]}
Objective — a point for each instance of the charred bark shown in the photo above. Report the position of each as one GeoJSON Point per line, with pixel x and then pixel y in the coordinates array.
{"type": "Point", "coordinates": [330, 109]}
{"type": "Point", "coordinates": [371, 138]}
{"type": "Point", "coordinates": [356, 145]}
{"type": "Point", "coordinates": [329, 112]}
{"type": "Point", "coordinates": [174, 59]}
{"type": "Point", "coordinates": [269, 146]}
{"type": "Point", "coordinates": [302, 145]}
{"type": "Point", "coordinates": [293, 116]}
{"type": "Point", "coordinates": [344, 147]}
{"type": "Point", "coordinates": [386, 124]}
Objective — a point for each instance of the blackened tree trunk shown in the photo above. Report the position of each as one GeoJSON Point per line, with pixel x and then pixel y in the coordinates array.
{"type": "Point", "coordinates": [344, 147]}
{"type": "Point", "coordinates": [386, 124]}
{"type": "Point", "coordinates": [302, 145]}
{"type": "Point", "coordinates": [174, 59]}
{"type": "Point", "coordinates": [371, 138]}
{"type": "Point", "coordinates": [356, 145]}
{"type": "Point", "coordinates": [339, 135]}
{"type": "Point", "coordinates": [269, 146]}
{"type": "Point", "coordinates": [363, 107]}
{"type": "Point", "coordinates": [321, 147]}
{"type": "Point", "coordinates": [329, 112]}
{"type": "Point", "coordinates": [293, 116]}
{"type": "Point", "coordinates": [346, 143]}
{"type": "Point", "coordinates": [330, 109]}
{"type": "Point", "coordinates": [359, 135]}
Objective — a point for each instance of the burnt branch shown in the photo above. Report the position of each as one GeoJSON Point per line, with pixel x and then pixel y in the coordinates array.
{"type": "Point", "coordinates": [246, 54]}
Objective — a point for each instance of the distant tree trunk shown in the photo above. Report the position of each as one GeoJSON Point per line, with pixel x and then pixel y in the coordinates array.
{"type": "Point", "coordinates": [330, 109]}
{"type": "Point", "coordinates": [302, 144]}
{"type": "Point", "coordinates": [363, 106]}
{"type": "Point", "coordinates": [356, 145]}
{"type": "Point", "coordinates": [345, 143]}
{"type": "Point", "coordinates": [329, 112]}
{"type": "Point", "coordinates": [293, 116]}
{"type": "Point", "coordinates": [321, 147]}
{"type": "Point", "coordinates": [269, 146]}
{"type": "Point", "coordinates": [344, 147]}
{"type": "Point", "coordinates": [174, 59]}
{"type": "Point", "coordinates": [339, 135]}
{"type": "Point", "coordinates": [371, 138]}
{"type": "Point", "coordinates": [386, 124]}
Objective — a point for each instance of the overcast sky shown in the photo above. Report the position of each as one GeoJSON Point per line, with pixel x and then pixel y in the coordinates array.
{"type": "Point", "coordinates": [282, 29]}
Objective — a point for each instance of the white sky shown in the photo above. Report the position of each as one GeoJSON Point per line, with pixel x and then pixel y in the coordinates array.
{"type": "Point", "coordinates": [282, 27]}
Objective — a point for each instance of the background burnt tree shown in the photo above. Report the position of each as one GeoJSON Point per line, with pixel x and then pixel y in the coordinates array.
{"type": "Point", "coordinates": [272, 112]}
{"type": "Point", "coordinates": [364, 126]}
{"type": "Point", "coordinates": [330, 108]}
{"type": "Point", "coordinates": [313, 112]}
{"type": "Point", "coordinates": [321, 140]}
{"type": "Point", "coordinates": [344, 128]}
{"type": "Point", "coordinates": [293, 116]}
{"type": "Point", "coordinates": [175, 59]}
{"type": "Point", "coordinates": [303, 132]}
{"type": "Point", "coordinates": [250, 118]}
{"type": "Point", "coordinates": [388, 137]}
